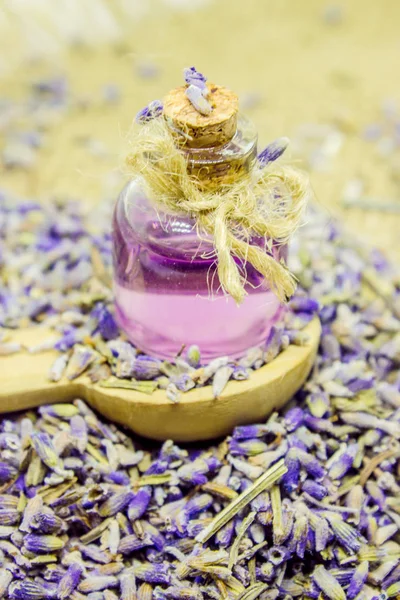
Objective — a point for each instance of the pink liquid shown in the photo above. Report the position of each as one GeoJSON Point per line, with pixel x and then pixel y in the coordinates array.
{"type": "Point", "coordinates": [167, 290]}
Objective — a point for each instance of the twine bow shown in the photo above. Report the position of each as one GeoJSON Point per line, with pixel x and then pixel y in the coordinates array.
{"type": "Point", "coordinates": [266, 203]}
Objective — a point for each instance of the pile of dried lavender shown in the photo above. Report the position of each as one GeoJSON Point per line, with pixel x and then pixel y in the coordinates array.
{"type": "Point", "coordinates": [56, 275]}
{"type": "Point", "coordinates": [303, 506]}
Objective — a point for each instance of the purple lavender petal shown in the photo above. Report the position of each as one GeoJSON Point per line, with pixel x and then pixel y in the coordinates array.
{"type": "Point", "coordinates": [322, 535]}
{"type": "Point", "coordinates": [314, 489]}
{"type": "Point", "coordinates": [311, 464]}
{"type": "Point", "coordinates": [42, 544]}
{"type": "Point", "coordinates": [152, 573]}
{"type": "Point", "coordinates": [28, 590]}
{"type": "Point", "coordinates": [66, 341]}
{"type": "Point", "coordinates": [131, 543]}
{"type": "Point", "coordinates": [116, 503]}
{"type": "Point", "coordinates": [69, 581]}
{"type": "Point", "coordinates": [105, 322]}
{"type": "Point", "coordinates": [184, 382]}
{"type": "Point", "coordinates": [317, 424]}
{"type": "Point", "coordinates": [139, 503]}
{"type": "Point", "coordinates": [150, 112]}
{"type": "Point", "coordinates": [119, 477]}
{"type": "Point", "coordinates": [273, 344]}
{"type": "Point", "coordinates": [294, 418]}
{"type": "Point", "coordinates": [146, 367]}
{"type": "Point", "coordinates": [376, 494]}
{"type": "Point", "coordinates": [273, 151]}
{"type": "Point", "coordinates": [157, 467]}
{"type": "Point", "coordinates": [299, 539]}
{"type": "Point", "coordinates": [198, 504]}
{"type": "Point", "coordinates": [7, 472]}
{"type": "Point", "coordinates": [46, 521]}
{"type": "Point", "coordinates": [327, 313]}
{"type": "Point", "coordinates": [236, 449]}
{"type": "Point", "coordinates": [194, 77]}
{"type": "Point", "coordinates": [224, 536]}
{"type": "Point", "coordinates": [154, 536]}
{"type": "Point", "coordinates": [358, 385]}
{"type": "Point", "coordinates": [304, 304]}
{"type": "Point", "coordinates": [290, 480]}
{"type": "Point", "coordinates": [358, 580]}
{"type": "Point", "coordinates": [344, 463]}
{"type": "Point", "coordinates": [244, 432]}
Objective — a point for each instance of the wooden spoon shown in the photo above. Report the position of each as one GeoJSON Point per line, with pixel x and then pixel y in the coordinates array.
{"type": "Point", "coordinates": [198, 415]}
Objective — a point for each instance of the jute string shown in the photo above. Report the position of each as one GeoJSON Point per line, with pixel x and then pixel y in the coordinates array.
{"type": "Point", "coordinates": [265, 203]}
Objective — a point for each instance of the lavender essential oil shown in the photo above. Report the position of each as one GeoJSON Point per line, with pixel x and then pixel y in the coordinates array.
{"type": "Point", "coordinates": [167, 289]}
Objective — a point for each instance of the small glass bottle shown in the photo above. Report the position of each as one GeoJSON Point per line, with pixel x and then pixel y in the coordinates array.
{"type": "Point", "coordinates": [167, 291]}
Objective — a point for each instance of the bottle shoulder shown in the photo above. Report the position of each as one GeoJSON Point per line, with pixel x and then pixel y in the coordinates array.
{"type": "Point", "coordinates": [138, 221]}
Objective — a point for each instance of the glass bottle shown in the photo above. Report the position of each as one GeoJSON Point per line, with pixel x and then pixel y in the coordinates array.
{"type": "Point", "coordinates": [167, 292]}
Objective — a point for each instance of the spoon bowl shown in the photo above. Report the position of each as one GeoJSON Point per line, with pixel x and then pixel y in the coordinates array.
{"type": "Point", "coordinates": [197, 416]}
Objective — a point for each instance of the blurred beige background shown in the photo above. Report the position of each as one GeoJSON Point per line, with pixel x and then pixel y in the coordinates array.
{"type": "Point", "coordinates": [292, 62]}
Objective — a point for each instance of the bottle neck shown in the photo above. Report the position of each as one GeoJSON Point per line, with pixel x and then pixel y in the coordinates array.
{"type": "Point", "coordinates": [215, 166]}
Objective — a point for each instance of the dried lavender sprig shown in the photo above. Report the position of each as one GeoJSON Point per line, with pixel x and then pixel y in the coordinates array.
{"type": "Point", "coordinates": [263, 483]}
{"type": "Point", "coordinates": [273, 151]}
{"type": "Point", "coordinates": [149, 112]}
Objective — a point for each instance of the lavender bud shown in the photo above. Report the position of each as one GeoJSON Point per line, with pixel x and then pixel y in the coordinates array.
{"type": "Point", "coordinates": [6, 472]}
{"type": "Point", "coordinates": [28, 590]}
{"type": "Point", "coordinates": [9, 516]}
{"type": "Point", "coordinates": [344, 463]}
{"type": "Point", "coordinates": [45, 449]}
{"type": "Point", "coordinates": [152, 573]}
{"type": "Point", "coordinates": [105, 322]}
{"type": "Point", "coordinates": [193, 355]}
{"type": "Point", "coordinates": [198, 504]}
{"type": "Point", "coordinates": [294, 418]}
{"type": "Point", "coordinates": [97, 583]}
{"type": "Point", "coordinates": [150, 112]}
{"type": "Point", "coordinates": [311, 464]}
{"type": "Point", "coordinates": [131, 543]}
{"type": "Point", "coordinates": [116, 503]}
{"type": "Point", "coordinates": [244, 432]}
{"type": "Point", "coordinates": [42, 544]}
{"type": "Point", "coordinates": [194, 77]}
{"type": "Point", "coordinates": [224, 536]}
{"type": "Point", "coordinates": [314, 489]}
{"type": "Point", "coordinates": [139, 503]}
{"type": "Point", "coordinates": [79, 432]}
{"type": "Point", "coordinates": [69, 581]}
{"type": "Point", "coordinates": [273, 151]}
{"type": "Point", "coordinates": [146, 367]}
{"type": "Point", "coordinates": [128, 585]}
{"type": "Point", "coordinates": [184, 382]}
{"type": "Point", "coordinates": [290, 479]}
{"type": "Point", "coordinates": [46, 521]}
{"type": "Point", "coordinates": [304, 304]}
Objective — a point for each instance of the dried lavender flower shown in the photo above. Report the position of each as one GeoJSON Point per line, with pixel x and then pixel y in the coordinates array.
{"type": "Point", "coordinates": [194, 77]}
{"type": "Point", "coordinates": [152, 111]}
{"type": "Point", "coordinates": [273, 151]}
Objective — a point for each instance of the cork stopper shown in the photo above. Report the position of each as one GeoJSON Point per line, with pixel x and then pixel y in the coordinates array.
{"type": "Point", "coordinates": [203, 131]}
